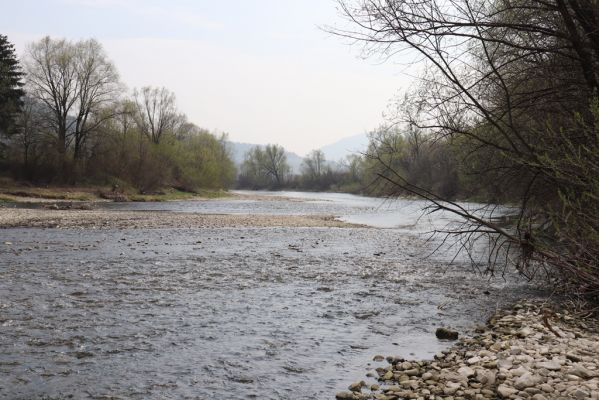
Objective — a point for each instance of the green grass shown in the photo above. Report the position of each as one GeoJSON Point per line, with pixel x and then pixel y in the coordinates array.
{"type": "Point", "coordinates": [5, 199]}
{"type": "Point", "coordinates": [15, 193]}
{"type": "Point", "coordinates": [50, 193]}
{"type": "Point", "coordinates": [173, 194]}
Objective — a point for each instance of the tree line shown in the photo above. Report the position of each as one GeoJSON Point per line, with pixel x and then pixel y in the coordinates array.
{"type": "Point", "coordinates": [267, 167]}
{"type": "Point", "coordinates": [67, 118]}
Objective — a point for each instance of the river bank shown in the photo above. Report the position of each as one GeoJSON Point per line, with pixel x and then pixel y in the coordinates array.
{"type": "Point", "coordinates": [530, 350]}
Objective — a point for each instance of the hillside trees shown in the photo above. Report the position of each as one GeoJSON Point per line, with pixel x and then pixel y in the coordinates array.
{"type": "Point", "coordinates": [515, 85]}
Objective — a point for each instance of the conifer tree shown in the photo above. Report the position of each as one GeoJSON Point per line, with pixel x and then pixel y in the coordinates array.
{"type": "Point", "coordinates": [11, 86]}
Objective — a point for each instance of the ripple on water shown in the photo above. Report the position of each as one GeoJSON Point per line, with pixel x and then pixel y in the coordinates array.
{"type": "Point", "coordinates": [243, 314]}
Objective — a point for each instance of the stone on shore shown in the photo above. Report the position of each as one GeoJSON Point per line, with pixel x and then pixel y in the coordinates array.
{"type": "Point", "coordinates": [446, 333]}
{"type": "Point", "coordinates": [516, 356]}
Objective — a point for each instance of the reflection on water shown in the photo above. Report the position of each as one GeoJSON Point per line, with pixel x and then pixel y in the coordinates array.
{"type": "Point", "coordinates": [269, 313]}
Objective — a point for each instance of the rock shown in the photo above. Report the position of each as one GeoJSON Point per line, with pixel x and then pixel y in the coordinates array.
{"type": "Point", "coordinates": [515, 351]}
{"type": "Point", "coordinates": [405, 365]}
{"type": "Point", "coordinates": [451, 387]}
{"type": "Point", "coordinates": [344, 396]}
{"type": "Point", "coordinates": [466, 372]}
{"type": "Point", "coordinates": [539, 397]}
{"type": "Point", "coordinates": [412, 372]}
{"type": "Point", "coordinates": [378, 358]}
{"type": "Point", "coordinates": [519, 371]}
{"type": "Point", "coordinates": [527, 380]}
{"type": "Point", "coordinates": [582, 372]}
{"type": "Point", "coordinates": [581, 394]}
{"type": "Point", "coordinates": [357, 387]}
{"type": "Point", "coordinates": [388, 376]}
{"type": "Point", "coordinates": [546, 388]}
{"type": "Point", "coordinates": [473, 360]}
{"type": "Point", "coordinates": [505, 391]}
{"type": "Point", "coordinates": [375, 386]}
{"type": "Point", "coordinates": [524, 332]}
{"type": "Point", "coordinates": [446, 333]}
{"type": "Point", "coordinates": [487, 378]}
{"type": "Point", "coordinates": [573, 357]}
{"type": "Point", "coordinates": [550, 365]}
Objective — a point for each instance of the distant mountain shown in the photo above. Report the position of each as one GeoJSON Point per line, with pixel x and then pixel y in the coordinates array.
{"type": "Point", "coordinates": [339, 150]}
{"type": "Point", "coordinates": [238, 151]}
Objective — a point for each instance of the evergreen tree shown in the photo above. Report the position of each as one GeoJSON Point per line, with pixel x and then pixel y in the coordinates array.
{"type": "Point", "coordinates": [11, 86]}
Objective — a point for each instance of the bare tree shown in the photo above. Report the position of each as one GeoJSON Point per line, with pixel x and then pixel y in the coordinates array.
{"type": "Point", "coordinates": [32, 131]}
{"type": "Point", "coordinates": [75, 81]}
{"type": "Point", "coordinates": [265, 167]}
{"type": "Point", "coordinates": [515, 83]}
{"type": "Point", "coordinates": [156, 112]}
{"type": "Point", "coordinates": [314, 164]}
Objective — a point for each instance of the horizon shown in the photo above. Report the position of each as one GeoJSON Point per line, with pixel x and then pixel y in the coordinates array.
{"type": "Point", "coordinates": [285, 82]}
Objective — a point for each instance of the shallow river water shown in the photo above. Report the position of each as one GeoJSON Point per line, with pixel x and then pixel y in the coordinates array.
{"type": "Point", "coordinates": [227, 313]}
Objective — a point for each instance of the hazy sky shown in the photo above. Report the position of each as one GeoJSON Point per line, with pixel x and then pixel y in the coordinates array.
{"type": "Point", "coordinates": [260, 70]}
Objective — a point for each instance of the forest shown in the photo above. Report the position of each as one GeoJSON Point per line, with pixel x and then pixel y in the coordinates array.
{"type": "Point", "coordinates": [66, 118]}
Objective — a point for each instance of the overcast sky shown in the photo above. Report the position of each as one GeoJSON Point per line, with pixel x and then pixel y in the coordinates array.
{"type": "Point", "coordinates": [260, 70]}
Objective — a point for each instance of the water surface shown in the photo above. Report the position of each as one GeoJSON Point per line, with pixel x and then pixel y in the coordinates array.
{"type": "Point", "coordinates": [236, 313]}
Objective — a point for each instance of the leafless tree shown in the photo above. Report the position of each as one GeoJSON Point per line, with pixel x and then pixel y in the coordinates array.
{"type": "Point", "coordinates": [514, 83]}
{"type": "Point", "coordinates": [75, 81]}
{"type": "Point", "coordinates": [314, 164]}
{"type": "Point", "coordinates": [265, 167]}
{"type": "Point", "coordinates": [156, 112]}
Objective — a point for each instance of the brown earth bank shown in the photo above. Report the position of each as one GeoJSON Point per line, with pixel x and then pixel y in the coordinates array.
{"type": "Point", "coordinates": [106, 219]}
{"type": "Point", "coordinates": [531, 351]}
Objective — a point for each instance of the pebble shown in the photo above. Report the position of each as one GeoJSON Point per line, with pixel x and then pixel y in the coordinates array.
{"type": "Point", "coordinates": [515, 356]}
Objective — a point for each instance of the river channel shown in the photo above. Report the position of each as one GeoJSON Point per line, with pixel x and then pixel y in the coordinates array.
{"type": "Point", "coordinates": [231, 313]}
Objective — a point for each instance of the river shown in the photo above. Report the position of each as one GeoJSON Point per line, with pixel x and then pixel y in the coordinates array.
{"type": "Point", "coordinates": [231, 313]}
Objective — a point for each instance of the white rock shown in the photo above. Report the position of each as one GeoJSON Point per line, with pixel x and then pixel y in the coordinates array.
{"type": "Point", "coordinates": [451, 387]}
{"type": "Point", "coordinates": [506, 391]}
{"type": "Point", "coordinates": [473, 360]}
{"type": "Point", "coordinates": [527, 380]}
{"type": "Point", "coordinates": [546, 388]}
{"type": "Point", "coordinates": [524, 332]}
{"type": "Point", "coordinates": [519, 371]}
{"type": "Point", "coordinates": [487, 378]}
{"type": "Point", "coordinates": [466, 372]}
{"type": "Point", "coordinates": [550, 365]}
{"type": "Point", "coordinates": [582, 372]}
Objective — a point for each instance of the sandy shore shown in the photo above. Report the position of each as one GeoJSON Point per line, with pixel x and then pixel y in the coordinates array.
{"type": "Point", "coordinates": [106, 219]}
